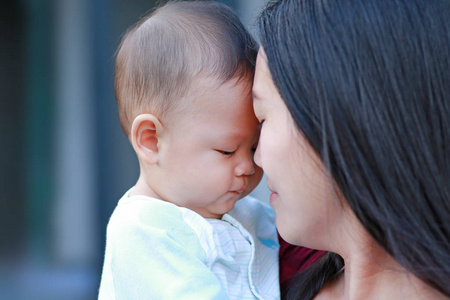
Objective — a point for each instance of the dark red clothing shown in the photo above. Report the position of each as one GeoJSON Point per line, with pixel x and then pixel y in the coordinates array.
{"type": "Point", "coordinates": [294, 259]}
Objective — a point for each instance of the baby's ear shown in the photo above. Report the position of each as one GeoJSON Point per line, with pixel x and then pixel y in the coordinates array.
{"type": "Point", "coordinates": [145, 131]}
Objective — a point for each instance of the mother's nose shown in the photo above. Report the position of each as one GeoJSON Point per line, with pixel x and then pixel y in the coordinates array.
{"type": "Point", "coordinates": [257, 156]}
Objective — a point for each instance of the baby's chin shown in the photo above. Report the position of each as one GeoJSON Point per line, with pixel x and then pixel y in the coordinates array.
{"type": "Point", "coordinates": [246, 193]}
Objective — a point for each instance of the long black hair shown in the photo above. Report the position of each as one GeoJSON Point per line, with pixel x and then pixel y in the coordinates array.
{"type": "Point", "coordinates": [368, 83]}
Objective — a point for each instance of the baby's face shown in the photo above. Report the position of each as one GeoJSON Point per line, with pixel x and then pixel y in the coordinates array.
{"type": "Point", "coordinates": [208, 160]}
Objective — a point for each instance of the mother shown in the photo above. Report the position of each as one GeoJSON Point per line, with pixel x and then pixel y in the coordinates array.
{"type": "Point", "coordinates": [354, 101]}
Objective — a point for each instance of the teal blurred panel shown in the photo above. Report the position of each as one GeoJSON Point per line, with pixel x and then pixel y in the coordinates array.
{"type": "Point", "coordinates": [38, 122]}
{"type": "Point", "coordinates": [11, 130]}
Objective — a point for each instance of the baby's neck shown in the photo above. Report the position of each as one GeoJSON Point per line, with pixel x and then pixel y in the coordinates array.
{"type": "Point", "coordinates": [142, 189]}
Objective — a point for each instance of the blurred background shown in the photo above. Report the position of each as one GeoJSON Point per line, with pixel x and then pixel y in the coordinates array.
{"type": "Point", "coordinates": [65, 161]}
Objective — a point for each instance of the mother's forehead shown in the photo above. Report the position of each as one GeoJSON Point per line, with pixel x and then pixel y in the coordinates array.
{"type": "Point", "coordinates": [263, 79]}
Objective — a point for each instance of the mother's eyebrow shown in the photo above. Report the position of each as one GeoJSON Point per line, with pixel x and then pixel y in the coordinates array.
{"type": "Point", "coordinates": [255, 95]}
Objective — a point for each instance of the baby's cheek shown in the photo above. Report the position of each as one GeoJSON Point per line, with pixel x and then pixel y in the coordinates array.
{"type": "Point", "coordinates": [253, 181]}
{"type": "Point", "coordinates": [258, 175]}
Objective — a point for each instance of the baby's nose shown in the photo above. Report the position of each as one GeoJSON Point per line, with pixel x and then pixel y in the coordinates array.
{"type": "Point", "coordinates": [245, 166]}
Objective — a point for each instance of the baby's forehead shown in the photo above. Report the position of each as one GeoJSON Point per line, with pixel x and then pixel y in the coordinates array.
{"type": "Point", "coordinates": [207, 85]}
{"type": "Point", "coordinates": [224, 106]}
{"type": "Point", "coordinates": [221, 99]}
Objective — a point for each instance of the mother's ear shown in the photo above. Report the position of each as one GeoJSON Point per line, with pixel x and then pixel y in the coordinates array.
{"type": "Point", "coordinates": [145, 131]}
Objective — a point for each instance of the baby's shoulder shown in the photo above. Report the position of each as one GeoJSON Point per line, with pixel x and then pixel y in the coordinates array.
{"type": "Point", "coordinates": [145, 210]}
{"type": "Point", "coordinates": [138, 215]}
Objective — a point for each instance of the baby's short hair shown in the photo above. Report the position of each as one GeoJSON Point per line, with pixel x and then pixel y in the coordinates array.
{"type": "Point", "coordinates": [162, 56]}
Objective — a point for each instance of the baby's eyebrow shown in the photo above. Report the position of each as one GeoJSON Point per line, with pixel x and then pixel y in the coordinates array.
{"type": "Point", "coordinates": [232, 137]}
{"type": "Point", "coordinates": [236, 137]}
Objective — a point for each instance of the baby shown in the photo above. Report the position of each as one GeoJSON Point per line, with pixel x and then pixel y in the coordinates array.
{"type": "Point", "coordinates": [183, 85]}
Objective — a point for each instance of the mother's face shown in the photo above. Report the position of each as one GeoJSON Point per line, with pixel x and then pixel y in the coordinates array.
{"type": "Point", "coordinates": [301, 190]}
